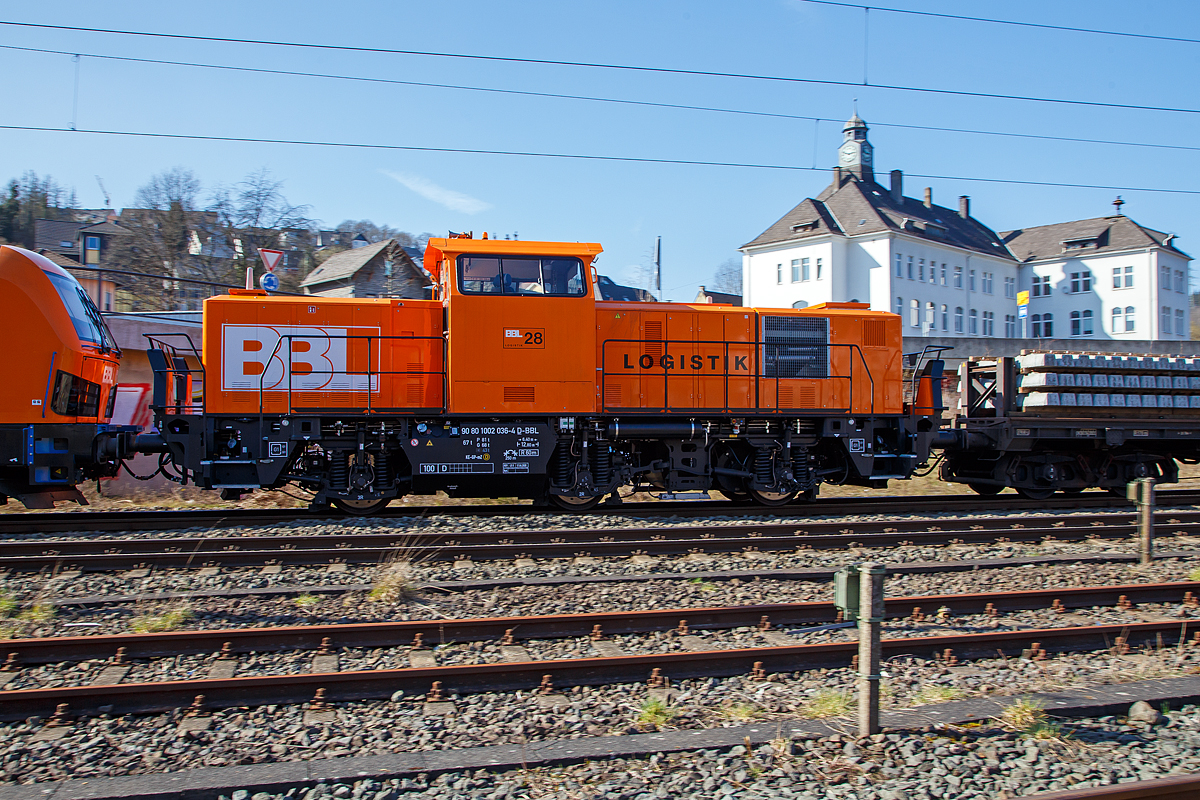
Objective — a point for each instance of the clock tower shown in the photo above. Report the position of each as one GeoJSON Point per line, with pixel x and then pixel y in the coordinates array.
{"type": "Point", "coordinates": [855, 153]}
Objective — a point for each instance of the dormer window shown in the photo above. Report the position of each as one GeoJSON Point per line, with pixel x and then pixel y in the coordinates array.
{"type": "Point", "coordinates": [934, 229]}
{"type": "Point", "coordinates": [805, 227]}
{"type": "Point", "coordinates": [1081, 244]}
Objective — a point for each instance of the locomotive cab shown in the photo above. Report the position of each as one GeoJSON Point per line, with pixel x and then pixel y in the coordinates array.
{"type": "Point", "coordinates": [60, 392]}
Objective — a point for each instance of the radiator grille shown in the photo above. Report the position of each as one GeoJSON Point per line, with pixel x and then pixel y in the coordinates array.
{"type": "Point", "coordinates": [654, 330]}
{"type": "Point", "coordinates": [797, 397]}
{"type": "Point", "coordinates": [416, 393]}
{"type": "Point", "coordinates": [795, 347]}
{"type": "Point", "coordinates": [874, 333]}
{"type": "Point", "coordinates": [612, 394]}
{"type": "Point", "coordinates": [518, 394]}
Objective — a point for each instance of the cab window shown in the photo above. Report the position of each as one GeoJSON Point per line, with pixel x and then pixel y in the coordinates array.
{"type": "Point", "coordinates": [89, 325]}
{"type": "Point", "coordinates": [521, 275]}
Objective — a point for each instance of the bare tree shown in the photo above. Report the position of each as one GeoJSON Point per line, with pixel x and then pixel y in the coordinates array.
{"type": "Point", "coordinates": [728, 277]}
{"type": "Point", "coordinates": [160, 224]}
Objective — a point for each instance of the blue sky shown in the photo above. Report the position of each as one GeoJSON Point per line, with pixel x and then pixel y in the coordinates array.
{"type": "Point", "coordinates": [703, 213]}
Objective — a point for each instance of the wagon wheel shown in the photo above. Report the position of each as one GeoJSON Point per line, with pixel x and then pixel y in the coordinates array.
{"type": "Point", "coordinates": [361, 508]}
{"type": "Point", "coordinates": [736, 497]}
{"type": "Point", "coordinates": [772, 499]}
{"type": "Point", "coordinates": [576, 503]}
{"type": "Point", "coordinates": [1035, 494]}
{"type": "Point", "coordinates": [985, 488]}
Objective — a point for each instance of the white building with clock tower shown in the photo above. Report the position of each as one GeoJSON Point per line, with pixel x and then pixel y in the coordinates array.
{"type": "Point", "coordinates": [944, 272]}
{"type": "Point", "coordinates": [947, 274]}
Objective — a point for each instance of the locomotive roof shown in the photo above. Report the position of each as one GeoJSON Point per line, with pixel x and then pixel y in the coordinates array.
{"type": "Point", "coordinates": [437, 249]}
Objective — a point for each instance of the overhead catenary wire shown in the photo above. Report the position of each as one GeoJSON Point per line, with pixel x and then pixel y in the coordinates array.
{"type": "Point", "coordinates": [576, 156]}
{"type": "Point", "coordinates": [591, 98]}
{"type": "Point", "coordinates": [1012, 22]}
{"type": "Point", "coordinates": [600, 65]}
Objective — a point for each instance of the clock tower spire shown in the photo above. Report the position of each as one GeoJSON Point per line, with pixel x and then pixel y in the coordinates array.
{"type": "Point", "coordinates": [855, 153]}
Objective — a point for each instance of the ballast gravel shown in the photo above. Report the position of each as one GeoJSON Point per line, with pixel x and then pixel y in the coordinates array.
{"type": "Point", "coordinates": [963, 763]}
{"type": "Point", "coordinates": [153, 743]}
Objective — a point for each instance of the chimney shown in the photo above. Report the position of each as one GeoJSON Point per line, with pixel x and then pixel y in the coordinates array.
{"type": "Point", "coordinates": [964, 206]}
{"type": "Point", "coordinates": [928, 197]}
{"type": "Point", "coordinates": [897, 186]}
{"type": "Point", "coordinates": [837, 177]}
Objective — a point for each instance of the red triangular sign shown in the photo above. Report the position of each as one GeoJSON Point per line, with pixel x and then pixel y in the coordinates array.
{"type": "Point", "coordinates": [270, 258]}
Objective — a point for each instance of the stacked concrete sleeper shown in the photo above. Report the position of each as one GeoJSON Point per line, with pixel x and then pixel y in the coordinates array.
{"type": "Point", "coordinates": [1076, 380]}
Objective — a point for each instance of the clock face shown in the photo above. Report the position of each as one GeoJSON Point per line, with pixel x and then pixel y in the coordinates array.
{"type": "Point", "coordinates": [866, 155]}
{"type": "Point", "coordinates": [847, 152]}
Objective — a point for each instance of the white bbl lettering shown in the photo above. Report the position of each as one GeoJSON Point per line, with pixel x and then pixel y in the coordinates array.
{"type": "Point", "coordinates": [258, 356]}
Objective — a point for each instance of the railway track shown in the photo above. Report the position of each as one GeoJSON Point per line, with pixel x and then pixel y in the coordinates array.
{"type": "Point", "coordinates": [526, 674]}
{"type": "Point", "coordinates": [100, 554]}
{"type": "Point", "coordinates": [73, 521]}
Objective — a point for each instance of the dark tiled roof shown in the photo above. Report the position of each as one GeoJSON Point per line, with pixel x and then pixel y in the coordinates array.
{"type": "Point", "coordinates": [60, 259]}
{"type": "Point", "coordinates": [611, 290]}
{"type": "Point", "coordinates": [1099, 235]}
{"type": "Point", "coordinates": [107, 228]}
{"type": "Point", "coordinates": [49, 234]}
{"type": "Point", "coordinates": [709, 296]}
{"type": "Point", "coordinates": [343, 265]}
{"type": "Point", "coordinates": [863, 207]}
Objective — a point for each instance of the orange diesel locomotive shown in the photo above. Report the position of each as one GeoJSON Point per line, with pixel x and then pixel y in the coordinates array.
{"type": "Point", "coordinates": [58, 385]}
{"type": "Point", "coordinates": [516, 381]}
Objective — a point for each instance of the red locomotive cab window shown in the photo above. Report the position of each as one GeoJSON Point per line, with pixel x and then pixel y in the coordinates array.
{"type": "Point", "coordinates": [89, 325]}
{"type": "Point", "coordinates": [522, 275]}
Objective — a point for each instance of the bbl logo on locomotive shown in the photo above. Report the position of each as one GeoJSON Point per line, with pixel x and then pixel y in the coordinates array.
{"type": "Point", "coordinates": [303, 358]}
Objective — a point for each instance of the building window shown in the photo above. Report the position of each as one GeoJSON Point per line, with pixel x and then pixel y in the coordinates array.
{"type": "Point", "coordinates": [1081, 323]}
{"type": "Point", "coordinates": [1164, 278]}
{"type": "Point", "coordinates": [989, 281]}
{"type": "Point", "coordinates": [1081, 282]}
{"type": "Point", "coordinates": [779, 273]}
{"type": "Point", "coordinates": [1010, 326]}
{"type": "Point", "coordinates": [1010, 287]}
{"type": "Point", "coordinates": [921, 270]}
{"type": "Point", "coordinates": [1129, 326]}
{"type": "Point", "coordinates": [804, 274]}
{"type": "Point", "coordinates": [1123, 277]}
{"type": "Point", "coordinates": [974, 325]}
{"type": "Point", "coordinates": [1180, 282]}
{"type": "Point", "coordinates": [943, 274]}
{"type": "Point", "coordinates": [899, 266]}
{"type": "Point", "coordinates": [1117, 319]}
{"type": "Point", "coordinates": [910, 268]}
{"type": "Point", "coordinates": [1035, 326]}
{"type": "Point", "coordinates": [958, 277]}
{"type": "Point", "coordinates": [989, 323]}
{"type": "Point", "coordinates": [930, 320]}
{"type": "Point", "coordinates": [1165, 320]}
{"type": "Point", "coordinates": [900, 306]}
{"type": "Point", "coordinates": [795, 270]}
{"type": "Point", "coordinates": [1041, 286]}
{"type": "Point", "coordinates": [971, 281]}
{"type": "Point", "coordinates": [818, 269]}
{"type": "Point", "coordinates": [958, 319]}
{"type": "Point", "coordinates": [1180, 329]}
{"type": "Point", "coordinates": [914, 313]}
{"type": "Point", "coordinates": [945, 318]}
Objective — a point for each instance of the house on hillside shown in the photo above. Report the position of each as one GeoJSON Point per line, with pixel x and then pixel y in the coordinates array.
{"type": "Point", "coordinates": [382, 269]}
{"type": "Point", "coordinates": [709, 296]}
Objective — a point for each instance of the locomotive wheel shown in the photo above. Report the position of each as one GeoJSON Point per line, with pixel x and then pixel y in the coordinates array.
{"type": "Point", "coordinates": [1035, 494]}
{"type": "Point", "coordinates": [772, 499]}
{"type": "Point", "coordinates": [985, 488]}
{"type": "Point", "coordinates": [361, 508]}
{"type": "Point", "coordinates": [736, 497]}
{"type": "Point", "coordinates": [576, 503]}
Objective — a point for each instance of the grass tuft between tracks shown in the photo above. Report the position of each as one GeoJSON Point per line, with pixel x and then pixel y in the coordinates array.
{"type": "Point", "coordinates": [169, 620]}
{"type": "Point", "coordinates": [828, 703]}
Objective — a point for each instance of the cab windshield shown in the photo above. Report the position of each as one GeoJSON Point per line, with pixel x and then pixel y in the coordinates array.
{"type": "Point", "coordinates": [89, 325]}
{"type": "Point", "coordinates": [521, 275]}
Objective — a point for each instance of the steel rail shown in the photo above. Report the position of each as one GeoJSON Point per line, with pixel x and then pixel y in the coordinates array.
{"type": "Point", "coordinates": [1175, 787]}
{"type": "Point", "coordinates": [70, 521]}
{"type": "Point", "coordinates": [528, 675]}
{"type": "Point", "coordinates": [321, 550]}
{"type": "Point", "coordinates": [45, 650]}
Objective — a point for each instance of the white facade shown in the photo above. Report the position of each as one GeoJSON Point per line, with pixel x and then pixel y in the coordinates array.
{"type": "Point", "coordinates": [1137, 294]}
{"type": "Point", "coordinates": [937, 290]}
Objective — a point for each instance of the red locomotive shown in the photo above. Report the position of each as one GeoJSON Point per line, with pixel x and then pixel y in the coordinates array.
{"type": "Point", "coordinates": [58, 386]}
